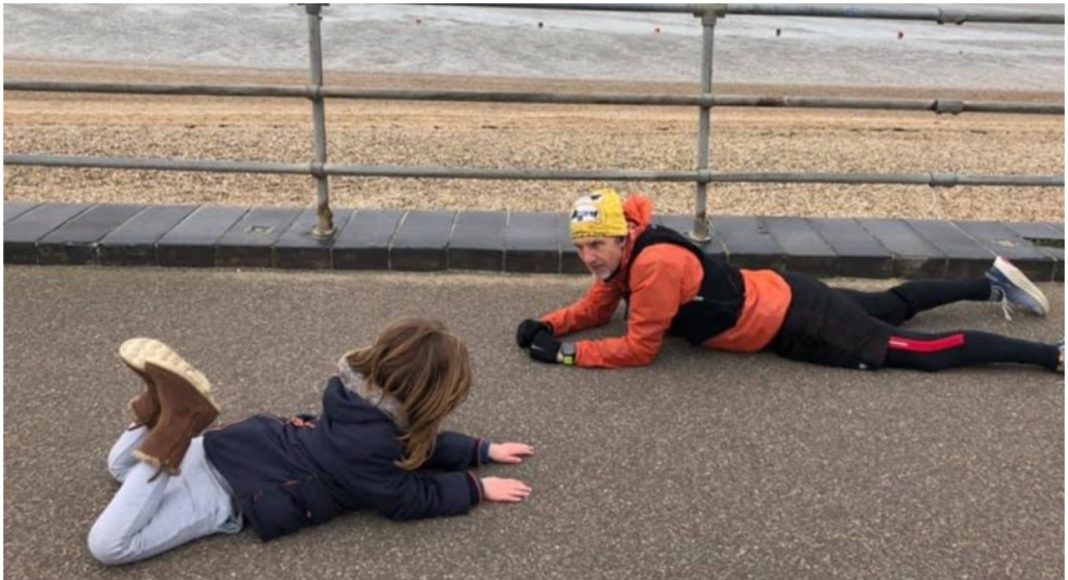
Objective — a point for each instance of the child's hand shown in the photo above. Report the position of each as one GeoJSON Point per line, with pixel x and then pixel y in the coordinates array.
{"type": "Point", "coordinates": [504, 490]}
{"type": "Point", "coordinates": [509, 452]}
{"type": "Point", "coordinates": [301, 423]}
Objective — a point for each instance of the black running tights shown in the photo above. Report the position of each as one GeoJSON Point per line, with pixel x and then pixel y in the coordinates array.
{"type": "Point", "coordinates": [936, 351]}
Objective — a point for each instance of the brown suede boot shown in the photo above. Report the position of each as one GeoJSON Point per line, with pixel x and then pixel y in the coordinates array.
{"type": "Point", "coordinates": [144, 407]}
{"type": "Point", "coordinates": [135, 352]}
{"type": "Point", "coordinates": [186, 409]}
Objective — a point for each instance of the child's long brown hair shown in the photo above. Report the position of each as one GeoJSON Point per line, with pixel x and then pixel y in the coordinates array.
{"type": "Point", "coordinates": [427, 369]}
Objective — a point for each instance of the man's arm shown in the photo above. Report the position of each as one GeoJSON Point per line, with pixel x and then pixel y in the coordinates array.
{"type": "Point", "coordinates": [595, 308]}
{"type": "Point", "coordinates": [661, 281]}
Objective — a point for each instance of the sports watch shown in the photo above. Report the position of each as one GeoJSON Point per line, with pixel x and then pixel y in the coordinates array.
{"type": "Point", "coordinates": [567, 353]}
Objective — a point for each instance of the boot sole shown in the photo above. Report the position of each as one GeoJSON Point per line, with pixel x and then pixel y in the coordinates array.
{"type": "Point", "coordinates": [139, 352]}
{"type": "Point", "coordinates": [1020, 279]}
{"type": "Point", "coordinates": [204, 388]}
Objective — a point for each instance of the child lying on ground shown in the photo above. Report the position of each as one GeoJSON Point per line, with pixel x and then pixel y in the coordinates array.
{"type": "Point", "coordinates": [376, 445]}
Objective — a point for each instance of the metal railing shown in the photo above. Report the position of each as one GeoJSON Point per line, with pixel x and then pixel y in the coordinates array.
{"type": "Point", "coordinates": [705, 101]}
{"type": "Point", "coordinates": [939, 14]}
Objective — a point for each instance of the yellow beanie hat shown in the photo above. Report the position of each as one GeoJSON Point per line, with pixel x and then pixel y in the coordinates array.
{"type": "Point", "coordinates": [598, 215]}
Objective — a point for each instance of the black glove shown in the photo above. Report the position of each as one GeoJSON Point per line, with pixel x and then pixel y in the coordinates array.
{"type": "Point", "coordinates": [524, 335]}
{"type": "Point", "coordinates": [544, 347]}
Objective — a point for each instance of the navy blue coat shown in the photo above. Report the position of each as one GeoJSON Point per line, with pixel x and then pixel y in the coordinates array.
{"type": "Point", "coordinates": [285, 477]}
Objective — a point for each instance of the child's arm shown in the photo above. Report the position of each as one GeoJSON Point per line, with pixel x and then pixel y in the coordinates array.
{"type": "Point", "coordinates": [399, 494]}
{"type": "Point", "coordinates": [409, 495]}
{"type": "Point", "coordinates": [414, 495]}
{"type": "Point", "coordinates": [454, 451]}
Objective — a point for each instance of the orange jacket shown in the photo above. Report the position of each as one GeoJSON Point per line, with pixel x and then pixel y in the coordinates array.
{"type": "Point", "coordinates": [664, 277]}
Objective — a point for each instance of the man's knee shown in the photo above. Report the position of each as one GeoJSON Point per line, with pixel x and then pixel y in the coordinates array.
{"type": "Point", "coordinates": [899, 308]}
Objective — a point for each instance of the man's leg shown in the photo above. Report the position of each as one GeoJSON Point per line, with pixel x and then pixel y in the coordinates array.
{"type": "Point", "coordinates": [1003, 283]}
{"type": "Point", "coordinates": [902, 302]}
{"type": "Point", "coordinates": [938, 351]}
{"type": "Point", "coordinates": [826, 327]}
{"type": "Point", "coordinates": [151, 514]}
{"type": "Point", "coordinates": [1013, 288]}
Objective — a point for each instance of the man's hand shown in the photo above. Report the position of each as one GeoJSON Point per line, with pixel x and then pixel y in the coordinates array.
{"type": "Point", "coordinates": [509, 452]}
{"type": "Point", "coordinates": [524, 335]}
{"type": "Point", "coordinates": [544, 347]}
{"type": "Point", "coordinates": [504, 490]}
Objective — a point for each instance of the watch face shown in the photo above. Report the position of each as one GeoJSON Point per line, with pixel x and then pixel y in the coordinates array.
{"type": "Point", "coordinates": [567, 353]}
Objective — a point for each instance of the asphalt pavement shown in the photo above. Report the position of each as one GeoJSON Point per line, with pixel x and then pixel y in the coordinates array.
{"type": "Point", "coordinates": [703, 465]}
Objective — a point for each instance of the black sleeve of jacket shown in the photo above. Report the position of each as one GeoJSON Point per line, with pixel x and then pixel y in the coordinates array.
{"type": "Point", "coordinates": [455, 451]}
{"type": "Point", "coordinates": [412, 495]}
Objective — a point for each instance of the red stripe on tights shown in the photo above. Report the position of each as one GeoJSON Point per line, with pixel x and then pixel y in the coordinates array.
{"type": "Point", "coordinates": [933, 345]}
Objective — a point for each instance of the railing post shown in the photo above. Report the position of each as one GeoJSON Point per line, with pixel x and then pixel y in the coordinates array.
{"type": "Point", "coordinates": [325, 227]}
{"type": "Point", "coordinates": [709, 14]}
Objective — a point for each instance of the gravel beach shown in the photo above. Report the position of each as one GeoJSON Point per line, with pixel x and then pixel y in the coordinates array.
{"type": "Point", "coordinates": [539, 136]}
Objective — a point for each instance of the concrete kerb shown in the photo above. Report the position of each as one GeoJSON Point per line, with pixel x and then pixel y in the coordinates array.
{"type": "Point", "coordinates": [524, 242]}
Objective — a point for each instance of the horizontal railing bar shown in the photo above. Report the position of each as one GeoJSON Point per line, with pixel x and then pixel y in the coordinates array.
{"type": "Point", "coordinates": [934, 179]}
{"type": "Point", "coordinates": [937, 105]}
{"type": "Point", "coordinates": [511, 174]}
{"type": "Point", "coordinates": [1004, 107]}
{"type": "Point", "coordinates": [663, 8]}
{"type": "Point", "coordinates": [950, 13]}
{"type": "Point", "coordinates": [934, 105]}
{"type": "Point", "coordinates": [303, 91]}
{"type": "Point", "coordinates": [157, 164]}
{"type": "Point", "coordinates": [941, 14]}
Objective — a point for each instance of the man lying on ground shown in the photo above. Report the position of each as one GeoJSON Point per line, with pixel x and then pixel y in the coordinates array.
{"type": "Point", "coordinates": [672, 287]}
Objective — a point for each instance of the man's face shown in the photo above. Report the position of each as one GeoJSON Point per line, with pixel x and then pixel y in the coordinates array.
{"type": "Point", "coordinates": [601, 255]}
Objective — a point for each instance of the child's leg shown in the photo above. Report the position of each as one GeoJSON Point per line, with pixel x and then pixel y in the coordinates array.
{"type": "Point", "coordinates": [150, 516]}
{"type": "Point", "coordinates": [937, 351]}
{"type": "Point", "coordinates": [120, 458]}
{"type": "Point", "coordinates": [901, 303]}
